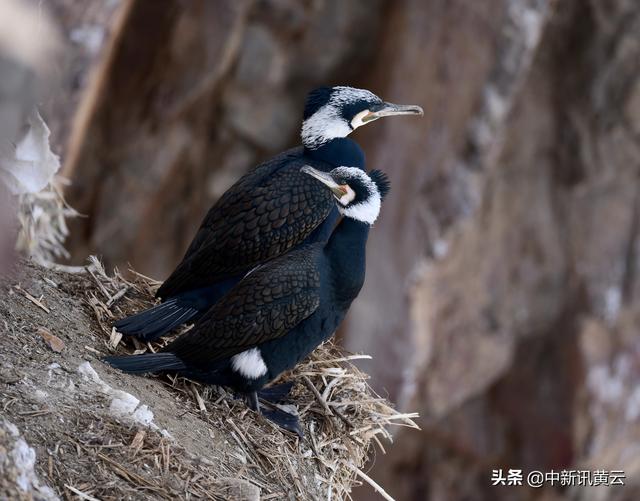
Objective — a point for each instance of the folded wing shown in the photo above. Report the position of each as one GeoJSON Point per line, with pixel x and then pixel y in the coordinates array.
{"type": "Point", "coordinates": [265, 305]}
{"type": "Point", "coordinates": [252, 223]}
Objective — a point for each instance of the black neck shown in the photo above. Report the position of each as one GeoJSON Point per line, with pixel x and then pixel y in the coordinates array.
{"type": "Point", "coordinates": [337, 152]}
{"type": "Point", "coordinates": [347, 254]}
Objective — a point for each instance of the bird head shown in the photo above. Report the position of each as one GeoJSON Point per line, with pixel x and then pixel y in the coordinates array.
{"type": "Point", "coordinates": [359, 194]}
{"type": "Point", "coordinates": [332, 112]}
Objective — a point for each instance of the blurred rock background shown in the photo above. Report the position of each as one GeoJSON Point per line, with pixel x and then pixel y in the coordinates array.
{"type": "Point", "coordinates": [502, 287]}
{"type": "Point", "coordinates": [29, 62]}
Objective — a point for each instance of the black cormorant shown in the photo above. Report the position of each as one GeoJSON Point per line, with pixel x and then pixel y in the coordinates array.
{"type": "Point", "coordinates": [266, 213]}
{"type": "Point", "coordinates": [278, 313]}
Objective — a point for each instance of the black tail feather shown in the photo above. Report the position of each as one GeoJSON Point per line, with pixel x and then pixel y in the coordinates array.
{"type": "Point", "coordinates": [156, 321]}
{"type": "Point", "coordinates": [147, 362]}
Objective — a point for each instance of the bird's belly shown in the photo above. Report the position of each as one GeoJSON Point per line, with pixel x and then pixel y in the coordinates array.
{"type": "Point", "coordinates": [284, 353]}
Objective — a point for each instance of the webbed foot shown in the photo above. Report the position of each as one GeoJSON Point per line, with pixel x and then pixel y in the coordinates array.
{"type": "Point", "coordinates": [284, 420]}
{"type": "Point", "coordinates": [276, 394]}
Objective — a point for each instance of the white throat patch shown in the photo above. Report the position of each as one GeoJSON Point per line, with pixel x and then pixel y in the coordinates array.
{"type": "Point", "coordinates": [249, 363]}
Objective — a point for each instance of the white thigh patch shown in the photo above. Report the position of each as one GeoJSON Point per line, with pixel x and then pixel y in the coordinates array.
{"type": "Point", "coordinates": [249, 364]}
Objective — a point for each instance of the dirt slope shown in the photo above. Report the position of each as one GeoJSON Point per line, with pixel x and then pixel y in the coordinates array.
{"type": "Point", "coordinates": [112, 436]}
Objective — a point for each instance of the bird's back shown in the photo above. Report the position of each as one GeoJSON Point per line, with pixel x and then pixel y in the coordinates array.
{"type": "Point", "coordinates": [266, 213]}
{"type": "Point", "coordinates": [251, 179]}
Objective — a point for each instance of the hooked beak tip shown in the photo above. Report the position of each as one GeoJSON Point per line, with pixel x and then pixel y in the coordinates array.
{"type": "Point", "coordinates": [390, 109]}
{"type": "Point", "coordinates": [403, 109]}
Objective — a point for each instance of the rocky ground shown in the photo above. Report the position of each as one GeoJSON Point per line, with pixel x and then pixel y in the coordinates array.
{"type": "Point", "coordinates": [72, 427]}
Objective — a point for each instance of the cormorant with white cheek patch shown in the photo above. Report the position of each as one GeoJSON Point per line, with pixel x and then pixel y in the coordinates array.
{"type": "Point", "coordinates": [277, 314]}
{"type": "Point", "coordinates": [268, 212]}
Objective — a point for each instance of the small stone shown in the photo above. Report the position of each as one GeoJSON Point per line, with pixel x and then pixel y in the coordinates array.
{"type": "Point", "coordinates": [53, 342]}
{"type": "Point", "coordinates": [240, 490]}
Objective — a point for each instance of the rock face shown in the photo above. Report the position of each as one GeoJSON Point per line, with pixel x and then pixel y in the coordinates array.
{"type": "Point", "coordinates": [502, 285]}
{"type": "Point", "coordinates": [188, 96]}
{"type": "Point", "coordinates": [472, 63]}
{"type": "Point", "coordinates": [524, 326]}
{"type": "Point", "coordinates": [26, 72]}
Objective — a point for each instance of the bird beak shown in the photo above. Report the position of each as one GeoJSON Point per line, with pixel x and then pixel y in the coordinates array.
{"type": "Point", "coordinates": [390, 109]}
{"type": "Point", "coordinates": [326, 179]}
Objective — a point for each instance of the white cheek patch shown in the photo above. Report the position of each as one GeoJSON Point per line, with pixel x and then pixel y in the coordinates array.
{"type": "Point", "coordinates": [323, 126]}
{"type": "Point", "coordinates": [348, 197]}
{"type": "Point", "coordinates": [366, 212]}
{"type": "Point", "coordinates": [249, 364]}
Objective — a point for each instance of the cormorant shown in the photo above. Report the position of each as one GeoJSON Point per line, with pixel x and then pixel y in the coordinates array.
{"type": "Point", "coordinates": [278, 313]}
{"type": "Point", "coordinates": [266, 213]}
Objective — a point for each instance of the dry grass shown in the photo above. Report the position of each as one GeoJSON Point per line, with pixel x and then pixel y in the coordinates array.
{"type": "Point", "coordinates": [342, 417]}
{"type": "Point", "coordinates": [43, 228]}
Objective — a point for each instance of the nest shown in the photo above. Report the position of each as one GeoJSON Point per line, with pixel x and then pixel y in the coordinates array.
{"type": "Point", "coordinates": [344, 420]}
